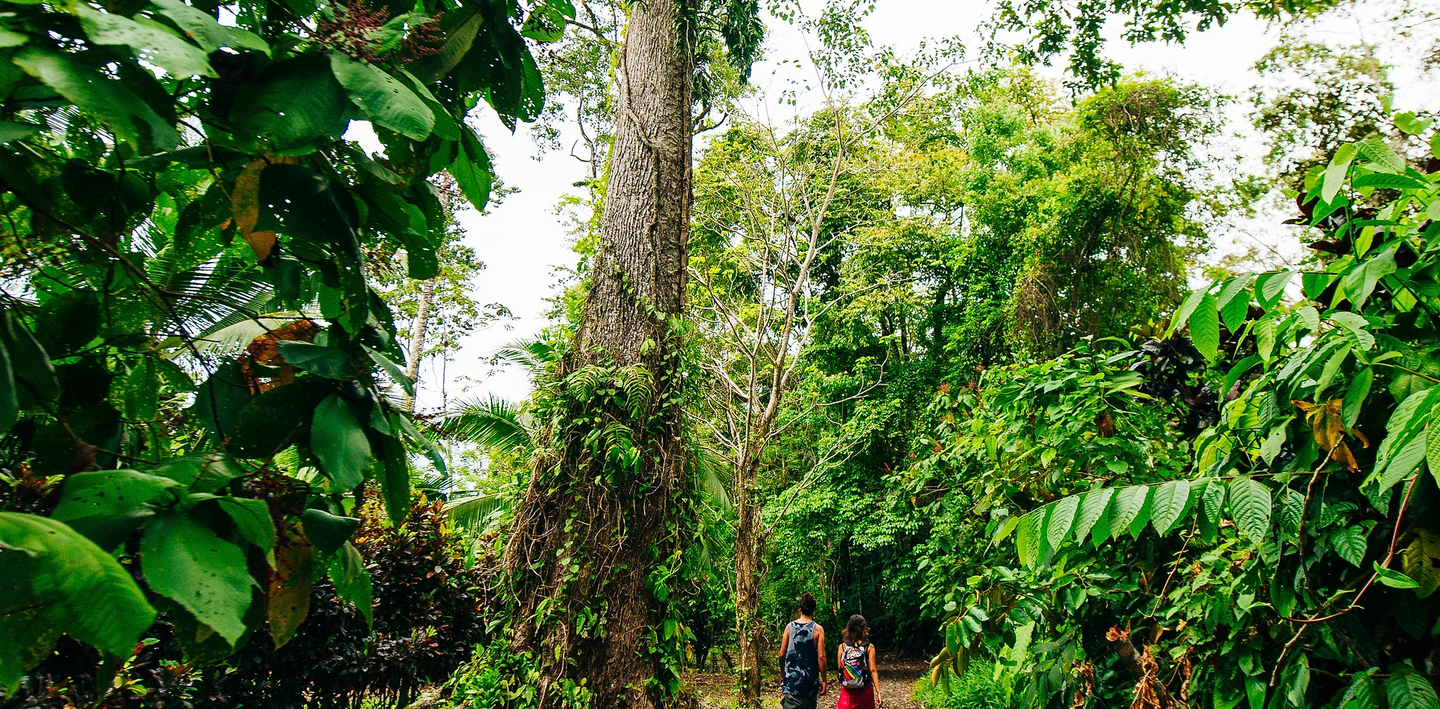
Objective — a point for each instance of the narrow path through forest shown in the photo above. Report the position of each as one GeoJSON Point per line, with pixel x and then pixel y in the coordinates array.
{"type": "Point", "coordinates": [897, 681]}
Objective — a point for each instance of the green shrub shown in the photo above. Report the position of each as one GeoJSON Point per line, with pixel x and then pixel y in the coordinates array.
{"type": "Point", "coordinates": [976, 690]}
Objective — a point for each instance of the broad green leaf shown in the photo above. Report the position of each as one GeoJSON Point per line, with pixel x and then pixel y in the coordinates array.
{"type": "Point", "coordinates": [1129, 501]}
{"type": "Point", "coordinates": [382, 99]}
{"type": "Point", "coordinates": [327, 532]}
{"type": "Point", "coordinates": [131, 119]}
{"type": "Point", "coordinates": [154, 42]}
{"type": "Point", "coordinates": [1335, 173]}
{"type": "Point", "coordinates": [1274, 441]}
{"type": "Point", "coordinates": [1408, 689]}
{"type": "Point", "coordinates": [351, 580]}
{"type": "Point", "coordinates": [184, 561]}
{"type": "Point", "coordinates": [1265, 338]}
{"type": "Point", "coordinates": [1350, 544]}
{"type": "Point", "coordinates": [1402, 463]}
{"type": "Point", "coordinates": [99, 504]}
{"type": "Point", "coordinates": [1062, 517]}
{"type": "Point", "coordinates": [1361, 694]}
{"type": "Point", "coordinates": [53, 581]}
{"type": "Point", "coordinates": [1186, 309]}
{"type": "Point", "coordinates": [1393, 578]}
{"type": "Point", "coordinates": [1027, 537]}
{"type": "Point", "coordinates": [1432, 450]}
{"type": "Point", "coordinates": [1382, 155]}
{"type": "Point", "coordinates": [471, 169]}
{"type": "Point", "coordinates": [1290, 511]}
{"type": "Point", "coordinates": [294, 107]}
{"type": "Point", "coordinates": [1233, 313]}
{"type": "Point", "coordinates": [1205, 327]}
{"type": "Point", "coordinates": [340, 443]}
{"type": "Point", "coordinates": [252, 519]}
{"type": "Point", "coordinates": [1214, 498]}
{"type": "Point", "coordinates": [395, 480]}
{"type": "Point", "coordinates": [28, 361]}
{"type": "Point", "coordinates": [1331, 368]}
{"type": "Point", "coordinates": [327, 362]}
{"type": "Point", "coordinates": [1270, 286]}
{"type": "Point", "coordinates": [208, 33]}
{"type": "Point", "coordinates": [1356, 324]}
{"type": "Point", "coordinates": [1091, 507]}
{"type": "Point", "coordinates": [1169, 503]}
{"type": "Point", "coordinates": [1239, 370]}
{"type": "Point", "coordinates": [1355, 396]}
{"type": "Point", "coordinates": [1250, 506]}
{"type": "Point", "coordinates": [278, 418]}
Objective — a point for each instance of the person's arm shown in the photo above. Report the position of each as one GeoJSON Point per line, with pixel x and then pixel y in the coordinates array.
{"type": "Point", "coordinates": [784, 645]}
{"type": "Point", "coordinates": [875, 676]}
{"type": "Point", "coordinates": [820, 653]}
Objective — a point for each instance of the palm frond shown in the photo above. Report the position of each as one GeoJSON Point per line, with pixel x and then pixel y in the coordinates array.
{"type": "Point", "coordinates": [477, 512]}
{"type": "Point", "coordinates": [492, 423]}
{"type": "Point", "coordinates": [533, 354]}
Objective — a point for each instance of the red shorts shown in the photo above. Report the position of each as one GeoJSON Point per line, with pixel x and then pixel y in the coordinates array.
{"type": "Point", "coordinates": [857, 698]}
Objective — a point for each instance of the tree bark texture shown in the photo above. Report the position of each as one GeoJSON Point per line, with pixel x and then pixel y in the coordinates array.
{"type": "Point", "coordinates": [417, 339]}
{"type": "Point", "coordinates": [748, 557]}
{"type": "Point", "coordinates": [590, 533]}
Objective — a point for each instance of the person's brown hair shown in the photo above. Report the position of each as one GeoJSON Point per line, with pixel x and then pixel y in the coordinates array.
{"type": "Point", "coordinates": [856, 630]}
{"type": "Point", "coordinates": [807, 604]}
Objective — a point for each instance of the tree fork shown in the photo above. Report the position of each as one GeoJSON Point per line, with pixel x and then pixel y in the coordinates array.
{"type": "Point", "coordinates": [587, 538]}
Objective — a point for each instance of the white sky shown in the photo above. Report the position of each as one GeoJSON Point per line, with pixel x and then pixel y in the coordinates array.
{"type": "Point", "coordinates": [523, 242]}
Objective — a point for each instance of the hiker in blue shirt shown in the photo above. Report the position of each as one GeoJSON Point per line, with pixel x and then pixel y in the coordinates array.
{"type": "Point", "coordinates": [802, 659]}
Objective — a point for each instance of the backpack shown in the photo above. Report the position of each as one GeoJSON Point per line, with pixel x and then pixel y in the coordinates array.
{"type": "Point", "coordinates": [855, 667]}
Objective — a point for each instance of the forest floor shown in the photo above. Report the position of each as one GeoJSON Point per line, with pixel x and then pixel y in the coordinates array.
{"type": "Point", "coordinates": [897, 681]}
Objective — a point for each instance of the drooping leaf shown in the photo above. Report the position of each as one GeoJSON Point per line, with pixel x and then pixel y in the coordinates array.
{"type": "Point", "coordinates": [1361, 693]}
{"type": "Point", "coordinates": [1205, 327]}
{"type": "Point", "coordinates": [154, 42]}
{"type": "Point", "coordinates": [53, 581]}
{"type": "Point", "coordinates": [471, 169]}
{"type": "Point", "coordinates": [1091, 507]}
{"type": "Point", "coordinates": [290, 586]}
{"type": "Point", "coordinates": [184, 561]}
{"type": "Point", "coordinates": [1250, 505]}
{"type": "Point", "coordinates": [295, 106]}
{"type": "Point", "coordinates": [383, 99]}
{"type": "Point", "coordinates": [1129, 501]}
{"type": "Point", "coordinates": [395, 478]}
{"type": "Point", "coordinates": [340, 443]}
{"type": "Point", "coordinates": [208, 33]}
{"type": "Point", "coordinates": [252, 519]}
{"type": "Point", "coordinates": [1408, 689]}
{"type": "Point", "coordinates": [352, 581]}
{"type": "Point", "coordinates": [1062, 517]}
{"type": "Point", "coordinates": [132, 120]}
{"type": "Point", "coordinates": [327, 362]}
{"type": "Point", "coordinates": [327, 532]}
{"type": "Point", "coordinates": [1170, 501]}
{"type": "Point", "coordinates": [1027, 537]}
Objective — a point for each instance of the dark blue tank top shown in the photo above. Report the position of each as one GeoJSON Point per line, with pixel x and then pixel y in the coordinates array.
{"type": "Point", "coordinates": [802, 662]}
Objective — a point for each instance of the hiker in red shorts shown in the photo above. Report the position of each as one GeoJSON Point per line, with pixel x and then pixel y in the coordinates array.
{"type": "Point", "coordinates": [859, 680]}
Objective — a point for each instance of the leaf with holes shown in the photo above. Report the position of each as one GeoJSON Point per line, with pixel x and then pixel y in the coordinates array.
{"type": "Point", "coordinates": [289, 596]}
{"type": "Point", "coordinates": [184, 561]}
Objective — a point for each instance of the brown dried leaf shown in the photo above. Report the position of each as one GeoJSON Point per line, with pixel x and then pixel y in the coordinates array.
{"type": "Point", "coordinates": [245, 202]}
{"type": "Point", "coordinates": [289, 598]}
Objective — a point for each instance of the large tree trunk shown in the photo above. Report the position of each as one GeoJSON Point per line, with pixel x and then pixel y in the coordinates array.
{"type": "Point", "coordinates": [593, 527]}
{"type": "Point", "coordinates": [748, 550]}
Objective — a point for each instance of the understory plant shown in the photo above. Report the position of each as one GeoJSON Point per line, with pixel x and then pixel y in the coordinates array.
{"type": "Point", "coordinates": [1241, 517]}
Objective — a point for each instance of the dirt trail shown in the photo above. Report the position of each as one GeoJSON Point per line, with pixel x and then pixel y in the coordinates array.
{"type": "Point", "coordinates": [897, 681]}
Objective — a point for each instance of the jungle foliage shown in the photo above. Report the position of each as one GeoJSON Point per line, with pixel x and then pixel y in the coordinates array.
{"type": "Point", "coordinates": [173, 175]}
